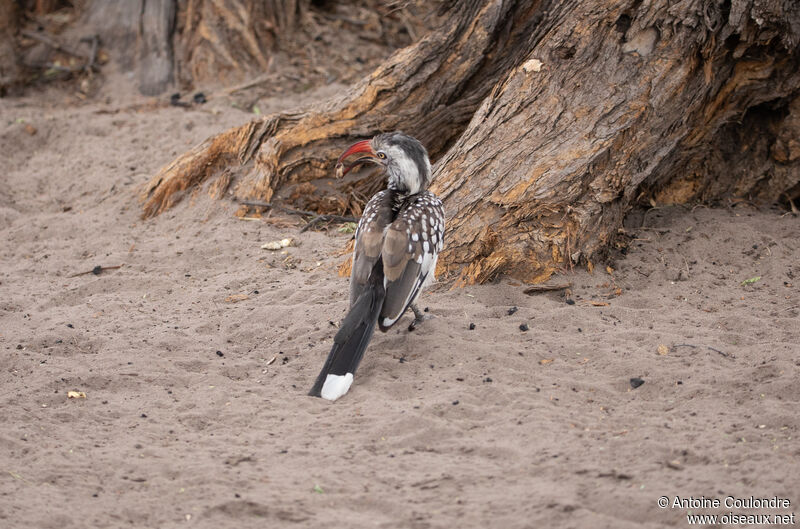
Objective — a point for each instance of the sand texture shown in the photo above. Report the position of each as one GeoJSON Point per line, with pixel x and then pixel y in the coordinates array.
{"type": "Point", "coordinates": [195, 356]}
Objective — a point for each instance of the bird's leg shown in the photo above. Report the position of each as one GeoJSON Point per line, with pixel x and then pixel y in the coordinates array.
{"type": "Point", "coordinates": [419, 317]}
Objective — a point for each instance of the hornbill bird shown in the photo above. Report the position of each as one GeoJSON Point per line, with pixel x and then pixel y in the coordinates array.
{"type": "Point", "coordinates": [398, 239]}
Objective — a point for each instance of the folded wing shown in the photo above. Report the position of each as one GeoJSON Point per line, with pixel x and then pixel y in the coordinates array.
{"type": "Point", "coordinates": [410, 251]}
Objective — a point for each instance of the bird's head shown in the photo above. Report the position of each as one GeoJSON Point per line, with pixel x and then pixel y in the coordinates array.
{"type": "Point", "coordinates": [403, 158]}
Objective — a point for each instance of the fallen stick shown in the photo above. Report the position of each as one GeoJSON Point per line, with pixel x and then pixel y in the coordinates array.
{"type": "Point", "coordinates": [536, 289]}
{"type": "Point", "coordinates": [317, 217]}
{"type": "Point", "coordinates": [97, 270]}
{"type": "Point", "coordinates": [726, 355]}
{"type": "Point", "coordinates": [49, 41]}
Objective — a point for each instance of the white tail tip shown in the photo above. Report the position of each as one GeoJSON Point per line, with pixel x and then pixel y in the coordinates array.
{"type": "Point", "coordinates": [335, 386]}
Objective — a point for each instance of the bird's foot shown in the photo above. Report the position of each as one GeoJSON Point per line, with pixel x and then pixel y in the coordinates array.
{"type": "Point", "coordinates": [419, 317]}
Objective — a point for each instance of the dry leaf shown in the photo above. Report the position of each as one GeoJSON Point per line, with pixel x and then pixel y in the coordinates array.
{"type": "Point", "coordinates": [590, 266]}
{"type": "Point", "coordinates": [76, 395]}
{"type": "Point", "coordinates": [545, 361]}
{"type": "Point", "coordinates": [609, 270]}
{"type": "Point", "coordinates": [599, 304]}
{"type": "Point", "coordinates": [663, 349]}
{"type": "Point", "coordinates": [234, 298]}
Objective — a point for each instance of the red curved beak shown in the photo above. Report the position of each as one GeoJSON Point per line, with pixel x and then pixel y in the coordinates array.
{"type": "Point", "coordinates": [359, 147]}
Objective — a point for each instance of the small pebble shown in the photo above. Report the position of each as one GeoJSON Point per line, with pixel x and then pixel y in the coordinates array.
{"type": "Point", "coordinates": [220, 353]}
{"type": "Point", "coordinates": [636, 382]}
{"type": "Point", "coordinates": [487, 379]}
{"type": "Point", "coordinates": [455, 403]}
{"type": "Point", "coordinates": [570, 302]}
{"type": "Point", "coordinates": [70, 326]}
{"type": "Point", "coordinates": [402, 360]}
{"type": "Point", "coordinates": [425, 309]}
{"type": "Point", "coordinates": [512, 310]}
{"type": "Point", "coordinates": [199, 98]}
{"type": "Point", "coordinates": [523, 327]}
{"type": "Point", "coordinates": [472, 326]}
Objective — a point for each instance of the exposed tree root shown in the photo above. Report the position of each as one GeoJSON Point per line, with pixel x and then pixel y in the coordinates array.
{"type": "Point", "coordinates": [551, 120]}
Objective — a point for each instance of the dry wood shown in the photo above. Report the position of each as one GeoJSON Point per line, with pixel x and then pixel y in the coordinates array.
{"type": "Point", "coordinates": [97, 270]}
{"type": "Point", "coordinates": [549, 121]}
{"type": "Point", "coordinates": [536, 289]}
{"type": "Point", "coordinates": [53, 43]}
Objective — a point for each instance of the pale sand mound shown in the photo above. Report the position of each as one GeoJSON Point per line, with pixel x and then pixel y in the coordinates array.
{"type": "Point", "coordinates": [443, 427]}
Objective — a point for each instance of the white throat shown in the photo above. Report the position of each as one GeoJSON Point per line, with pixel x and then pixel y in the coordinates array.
{"type": "Point", "coordinates": [403, 172]}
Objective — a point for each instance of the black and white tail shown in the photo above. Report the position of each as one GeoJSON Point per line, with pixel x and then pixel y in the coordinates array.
{"type": "Point", "coordinates": [351, 341]}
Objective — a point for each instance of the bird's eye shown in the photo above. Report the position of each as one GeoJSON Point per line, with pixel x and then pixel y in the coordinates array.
{"type": "Point", "coordinates": [381, 155]}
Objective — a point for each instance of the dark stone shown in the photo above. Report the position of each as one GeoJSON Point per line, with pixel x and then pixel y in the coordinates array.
{"type": "Point", "coordinates": [220, 353]}
{"type": "Point", "coordinates": [472, 326]}
{"type": "Point", "coordinates": [636, 382]}
{"type": "Point", "coordinates": [570, 302]}
{"type": "Point", "coordinates": [512, 310]}
{"type": "Point", "coordinates": [523, 327]}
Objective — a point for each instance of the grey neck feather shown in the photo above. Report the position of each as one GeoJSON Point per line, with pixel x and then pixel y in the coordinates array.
{"type": "Point", "coordinates": [409, 169]}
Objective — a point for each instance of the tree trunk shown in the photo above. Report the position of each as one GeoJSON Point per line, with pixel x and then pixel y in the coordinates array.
{"type": "Point", "coordinates": [9, 70]}
{"type": "Point", "coordinates": [550, 120]}
{"type": "Point", "coordinates": [227, 40]}
{"type": "Point", "coordinates": [213, 40]}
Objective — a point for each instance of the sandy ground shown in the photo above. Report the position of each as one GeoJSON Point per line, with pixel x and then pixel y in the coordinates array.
{"type": "Point", "coordinates": [195, 357]}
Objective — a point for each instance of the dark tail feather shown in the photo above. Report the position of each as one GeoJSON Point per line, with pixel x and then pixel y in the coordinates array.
{"type": "Point", "coordinates": [352, 339]}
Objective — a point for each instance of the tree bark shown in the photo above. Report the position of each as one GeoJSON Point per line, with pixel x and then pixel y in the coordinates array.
{"type": "Point", "coordinates": [155, 51]}
{"type": "Point", "coordinates": [227, 40]}
{"type": "Point", "coordinates": [9, 70]}
{"type": "Point", "coordinates": [550, 120]}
